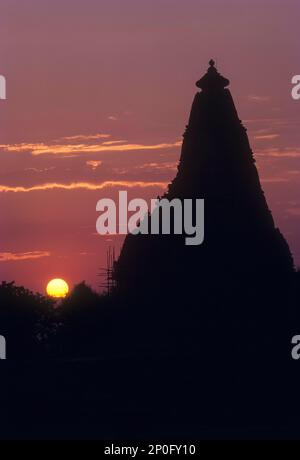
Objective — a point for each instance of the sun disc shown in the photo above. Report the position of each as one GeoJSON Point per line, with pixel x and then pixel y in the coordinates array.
{"type": "Point", "coordinates": [57, 288]}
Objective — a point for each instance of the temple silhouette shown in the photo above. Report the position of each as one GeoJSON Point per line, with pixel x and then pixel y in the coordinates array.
{"type": "Point", "coordinates": [242, 245]}
{"type": "Point", "coordinates": [224, 309]}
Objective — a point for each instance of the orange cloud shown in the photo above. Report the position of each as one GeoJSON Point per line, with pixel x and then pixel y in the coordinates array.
{"type": "Point", "coordinates": [274, 180]}
{"type": "Point", "coordinates": [94, 164]}
{"type": "Point", "coordinates": [171, 165]}
{"type": "Point", "coordinates": [113, 142]}
{"type": "Point", "coordinates": [279, 153]}
{"type": "Point", "coordinates": [65, 149]}
{"type": "Point", "coordinates": [266, 137]}
{"type": "Point", "coordinates": [13, 256]}
{"type": "Point", "coordinates": [86, 137]}
{"type": "Point", "coordinates": [82, 186]}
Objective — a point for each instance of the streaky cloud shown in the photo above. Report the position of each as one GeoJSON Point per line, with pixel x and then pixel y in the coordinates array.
{"type": "Point", "coordinates": [15, 256]}
{"type": "Point", "coordinates": [84, 148]}
{"type": "Point", "coordinates": [81, 186]}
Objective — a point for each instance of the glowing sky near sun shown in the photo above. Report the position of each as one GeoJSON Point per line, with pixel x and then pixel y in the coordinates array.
{"type": "Point", "coordinates": [98, 96]}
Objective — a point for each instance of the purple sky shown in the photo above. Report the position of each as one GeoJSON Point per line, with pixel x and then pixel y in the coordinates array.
{"type": "Point", "coordinates": [100, 90]}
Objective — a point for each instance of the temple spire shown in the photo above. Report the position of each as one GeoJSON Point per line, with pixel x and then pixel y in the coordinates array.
{"type": "Point", "coordinates": [212, 80]}
{"type": "Point", "coordinates": [241, 240]}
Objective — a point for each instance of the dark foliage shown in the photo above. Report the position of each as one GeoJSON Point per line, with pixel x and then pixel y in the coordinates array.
{"type": "Point", "coordinates": [26, 320]}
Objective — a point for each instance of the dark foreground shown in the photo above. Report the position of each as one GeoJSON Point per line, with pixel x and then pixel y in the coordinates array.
{"type": "Point", "coordinates": [170, 397]}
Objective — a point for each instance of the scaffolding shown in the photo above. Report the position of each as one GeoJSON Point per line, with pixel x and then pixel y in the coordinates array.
{"type": "Point", "coordinates": [106, 273]}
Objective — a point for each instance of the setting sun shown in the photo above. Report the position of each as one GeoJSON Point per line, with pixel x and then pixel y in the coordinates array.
{"type": "Point", "coordinates": [57, 288]}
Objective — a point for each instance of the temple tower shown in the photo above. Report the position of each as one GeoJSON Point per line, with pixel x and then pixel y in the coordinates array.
{"type": "Point", "coordinates": [242, 244]}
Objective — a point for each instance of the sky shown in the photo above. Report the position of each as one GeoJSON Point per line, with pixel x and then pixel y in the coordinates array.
{"type": "Point", "coordinates": [98, 96]}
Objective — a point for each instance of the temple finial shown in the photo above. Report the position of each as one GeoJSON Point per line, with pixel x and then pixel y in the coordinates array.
{"type": "Point", "coordinates": [212, 80]}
